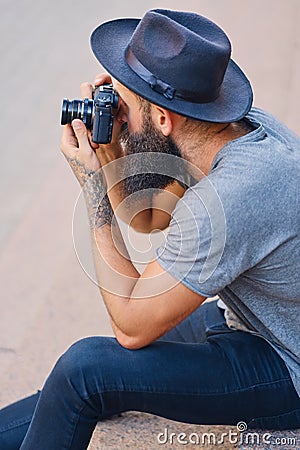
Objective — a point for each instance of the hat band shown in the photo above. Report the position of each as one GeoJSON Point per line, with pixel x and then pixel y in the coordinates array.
{"type": "Point", "coordinates": [162, 87]}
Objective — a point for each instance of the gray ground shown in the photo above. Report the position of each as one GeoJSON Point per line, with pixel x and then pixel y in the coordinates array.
{"type": "Point", "coordinates": [47, 301]}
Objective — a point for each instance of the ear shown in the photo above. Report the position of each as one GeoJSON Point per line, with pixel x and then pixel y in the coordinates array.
{"type": "Point", "coordinates": [163, 119]}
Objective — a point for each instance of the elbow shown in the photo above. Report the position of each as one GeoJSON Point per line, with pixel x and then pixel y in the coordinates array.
{"type": "Point", "coordinates": [143, 230]}
{"type": "Point", "coordinates": [140, 227]}
{"type": "Point", "coordinates": [131, 342]}
{"type": "Point", "coordinates": [147, 228]}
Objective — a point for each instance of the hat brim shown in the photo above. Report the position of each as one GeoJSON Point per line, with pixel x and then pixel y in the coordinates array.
{"type": "Point", "coordinates": [109, 42]}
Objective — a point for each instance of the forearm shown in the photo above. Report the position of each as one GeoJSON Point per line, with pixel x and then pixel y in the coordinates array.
{"type": "Point", "coordinates": [115, 272]}
{"type": "Point", "coordinates": [116, 276]}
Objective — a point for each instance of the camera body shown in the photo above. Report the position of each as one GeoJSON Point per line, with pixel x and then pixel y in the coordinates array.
{"type": "Point", "coordinates": [97, 114]}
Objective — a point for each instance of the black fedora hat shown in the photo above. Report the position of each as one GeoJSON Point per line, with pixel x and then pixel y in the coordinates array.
{"type": "Point", "coordinates": [177, 60]}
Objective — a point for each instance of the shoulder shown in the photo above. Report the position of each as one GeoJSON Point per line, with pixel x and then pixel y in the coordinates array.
{"type": "Point", "coordinates": [274, 127]}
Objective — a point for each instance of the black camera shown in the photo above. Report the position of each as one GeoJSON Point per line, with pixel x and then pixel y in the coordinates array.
{"type": "Point", "coordinates": [96, 113]}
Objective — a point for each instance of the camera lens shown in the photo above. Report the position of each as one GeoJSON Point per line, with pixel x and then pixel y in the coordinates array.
{"type": "Point", "coordinates": [77, 109]}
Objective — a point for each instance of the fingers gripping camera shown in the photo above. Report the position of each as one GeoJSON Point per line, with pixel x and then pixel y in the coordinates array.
{"type": "Point", "coordinates": [97, 114]}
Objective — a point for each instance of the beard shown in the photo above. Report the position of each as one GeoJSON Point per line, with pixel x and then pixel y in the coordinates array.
{"type": "Point", "coordinates": [148, 168]}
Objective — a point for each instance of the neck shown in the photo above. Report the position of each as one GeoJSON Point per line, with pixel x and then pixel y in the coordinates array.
{"type": "Point", "coordinates": [206, 140]}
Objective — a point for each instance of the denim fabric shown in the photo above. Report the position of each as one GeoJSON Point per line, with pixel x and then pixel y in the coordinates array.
{"type": "Point", "coordinates": [200, 372]}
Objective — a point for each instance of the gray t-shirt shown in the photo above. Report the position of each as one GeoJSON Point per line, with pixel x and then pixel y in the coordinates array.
{"type": "Point", "coordinates": [235, 233]}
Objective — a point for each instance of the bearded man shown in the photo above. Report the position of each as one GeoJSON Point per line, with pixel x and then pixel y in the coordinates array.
{"type": "Point", "coordinates": [184, 127]}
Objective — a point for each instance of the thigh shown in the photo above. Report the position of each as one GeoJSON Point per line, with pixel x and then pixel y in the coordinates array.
{"type": "Point", "coordinates": [231, 377]}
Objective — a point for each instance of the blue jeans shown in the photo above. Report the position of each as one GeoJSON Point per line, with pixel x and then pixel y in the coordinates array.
{"type": "Point", "coordinates": [200, 372]}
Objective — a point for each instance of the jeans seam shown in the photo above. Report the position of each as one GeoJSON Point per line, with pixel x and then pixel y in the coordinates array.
{"type": "Point", "coordinates": [77, 417]}
{"type": "Point", "coordinates": [143, 390]}
{"type": "Point", "coordinates": [277, 416]}
{"type": "Point", "coordinates": [16, 424]}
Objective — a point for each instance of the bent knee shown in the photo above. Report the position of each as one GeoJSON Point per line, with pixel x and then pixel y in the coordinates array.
{"type": "Point", "coordinates": [81, 360]}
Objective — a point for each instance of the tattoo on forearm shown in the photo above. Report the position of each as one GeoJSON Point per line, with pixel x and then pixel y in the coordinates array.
{"type": "Point", "coordinates": [94, 186]}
